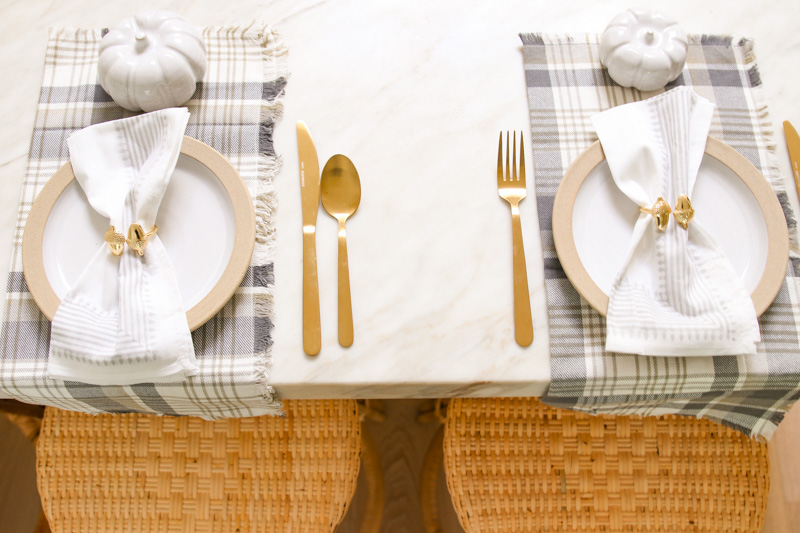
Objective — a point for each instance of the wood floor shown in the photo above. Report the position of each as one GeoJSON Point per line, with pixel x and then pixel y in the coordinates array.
{"type": "Point", "coordinates": [783, 504]}
{"type": "Point", "coordinates": [19, 500]}
{"type": "Point", "coordinates": [402, 442]}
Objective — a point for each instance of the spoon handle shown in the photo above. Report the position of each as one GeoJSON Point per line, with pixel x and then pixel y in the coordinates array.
{"type": "Point", "coordinates": [345, 305]}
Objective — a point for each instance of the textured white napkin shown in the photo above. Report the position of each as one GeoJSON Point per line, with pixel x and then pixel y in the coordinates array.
{"type": "Point", "coordinates": [677, 294]}
{"type": "Point", "coordinates": [123, 322]}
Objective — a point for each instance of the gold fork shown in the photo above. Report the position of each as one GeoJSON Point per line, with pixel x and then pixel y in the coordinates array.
{"type": "Point", "coordinates": [511, 188]}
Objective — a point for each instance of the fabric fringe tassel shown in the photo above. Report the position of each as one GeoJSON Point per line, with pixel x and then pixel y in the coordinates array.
{"type": "Point", "coordinates": [274, 62]}
{"type": "Point", "coordinates": [75, 34]}
{"type": "Point", "coordinates": [770, 169]}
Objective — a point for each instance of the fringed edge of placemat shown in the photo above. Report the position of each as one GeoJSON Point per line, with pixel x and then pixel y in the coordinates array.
{"type": "Point", "coordinates": [274, 62]}
{"type": "Point", "coordinates": [767, 129]}
{"type": "Point", "coordinates": [557, 38]}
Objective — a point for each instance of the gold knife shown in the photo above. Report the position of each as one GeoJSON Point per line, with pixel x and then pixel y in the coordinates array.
{"type": "Point", "coordinates": [793, 143]}
{"type": "Point", "coordinates": [309, 195]}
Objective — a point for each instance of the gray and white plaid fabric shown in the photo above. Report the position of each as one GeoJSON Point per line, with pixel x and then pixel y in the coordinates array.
{"type": "Point", "coordinates": [234, 110]}
{"type": "Point", "coordinates": [566, 86]}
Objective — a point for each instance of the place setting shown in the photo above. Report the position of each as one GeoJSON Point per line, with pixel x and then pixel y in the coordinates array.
{"type": "Point", "coordinates": [149, 250]}
{"type": "Point", "coordinates": [666, 248]}
{"type": "Point", "coordinates": [149, 253]}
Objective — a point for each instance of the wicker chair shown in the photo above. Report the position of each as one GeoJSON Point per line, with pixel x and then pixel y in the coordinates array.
{"type": "Point", "coordinates": [134, 472]}
{"type": "Point", "coordinates": [518, 465]}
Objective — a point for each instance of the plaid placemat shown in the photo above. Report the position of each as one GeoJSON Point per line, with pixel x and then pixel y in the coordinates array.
{"type": "Point", "coordinates": [234, 110]}
{"type": "Point", "coordinates": [566, 86]}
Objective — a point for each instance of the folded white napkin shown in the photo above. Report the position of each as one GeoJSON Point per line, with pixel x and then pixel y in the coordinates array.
{"type": "Point", "coordinates": [677, 294]}
{"type": "Point", "coordinates": [123, 322]}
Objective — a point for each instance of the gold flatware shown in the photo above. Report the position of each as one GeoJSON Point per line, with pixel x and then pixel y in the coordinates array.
{"type": "Point", "coordinates": [341, 194]}
{"type": "Point", "coordinates": [511, 188]}
{"type": "Point", "coordinates": [309, 195]}
{"type": "Point", "coordinates": [793, 144]}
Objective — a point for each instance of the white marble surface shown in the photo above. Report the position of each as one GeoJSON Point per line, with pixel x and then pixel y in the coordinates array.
{"type": "Point", "coordinates": [414, 92]}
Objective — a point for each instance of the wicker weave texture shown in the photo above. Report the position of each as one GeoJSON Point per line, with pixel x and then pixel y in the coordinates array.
{"type": "Point", "coordinates": [132, 472]}
{"type": "Point", "coordinates": [518, 465]}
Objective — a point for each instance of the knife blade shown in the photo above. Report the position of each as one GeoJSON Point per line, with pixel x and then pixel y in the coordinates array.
{"type": "Point", "coordinates": [309, 196]}
{"type": "Point", "coordinates": [793, 144]}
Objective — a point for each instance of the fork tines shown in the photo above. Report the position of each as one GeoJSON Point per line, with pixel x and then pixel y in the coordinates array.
{"type": "Point", "coordinates": [510, 173]}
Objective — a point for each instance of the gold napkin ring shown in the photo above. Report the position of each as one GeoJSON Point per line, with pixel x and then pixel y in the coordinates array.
{"type": "Point", "coordinates": [138, 239]}
{"type": "Point", "coordinates": [683, 211]}
{"type": "Point", "coordinates": [115, 240]}
{"type": "Point", "coordinates": [660, 212]}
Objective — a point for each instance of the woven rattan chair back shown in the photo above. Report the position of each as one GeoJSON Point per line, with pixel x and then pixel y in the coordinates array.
{"type": "Point", "coordinates": [517, 465]}
{"type": "Point", "coordinates": [133, 472]}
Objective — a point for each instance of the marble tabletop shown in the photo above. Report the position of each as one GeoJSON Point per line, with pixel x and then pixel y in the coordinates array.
{"type": "Point", "coordinates": [415, 93]}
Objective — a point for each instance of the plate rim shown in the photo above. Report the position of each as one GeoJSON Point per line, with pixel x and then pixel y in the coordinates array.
{"type": "Point", "coordinates": [243, 244]}
{"type": "Point", "coordinates": [777, 231]}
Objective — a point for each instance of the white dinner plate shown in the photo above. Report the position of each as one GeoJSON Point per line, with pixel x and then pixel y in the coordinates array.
{"type": "Point", "coordinates": [206, 222]}
{"type": "Point", "coordinates": [593, 223]}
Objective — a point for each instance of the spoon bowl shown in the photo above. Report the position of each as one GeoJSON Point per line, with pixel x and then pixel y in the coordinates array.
{"type": "Point", "coordinates": [340, 191]}
{"type": "Point", "coordinates": [340, 187]}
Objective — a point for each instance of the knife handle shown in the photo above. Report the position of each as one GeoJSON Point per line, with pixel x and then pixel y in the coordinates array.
{"type": "Point", "coordinates": [345, 303]}
{"type": "Point", "coordinates": [311, 328]}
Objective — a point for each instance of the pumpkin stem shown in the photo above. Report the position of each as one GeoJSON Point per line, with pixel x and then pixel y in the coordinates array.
{"type": "Point", "coordinates": [141, 41]}
{"type": "Point", "coordinates": [649, 36]}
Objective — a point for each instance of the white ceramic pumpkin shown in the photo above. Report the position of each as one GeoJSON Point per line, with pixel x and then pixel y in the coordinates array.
{"type": "Point", "coordinates": [151, 61]}
{"type": "Point", "coordinates": [644, 49]}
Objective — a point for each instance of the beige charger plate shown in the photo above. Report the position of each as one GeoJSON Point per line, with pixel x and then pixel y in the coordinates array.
{"type": "Point", "coordinates": [241, 253]}
{"type": "Point", "coordinates": [777, 232]}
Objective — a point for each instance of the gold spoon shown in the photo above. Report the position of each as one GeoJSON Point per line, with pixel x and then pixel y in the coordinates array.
{"type": "Point", "coordinates": [340, 190]}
